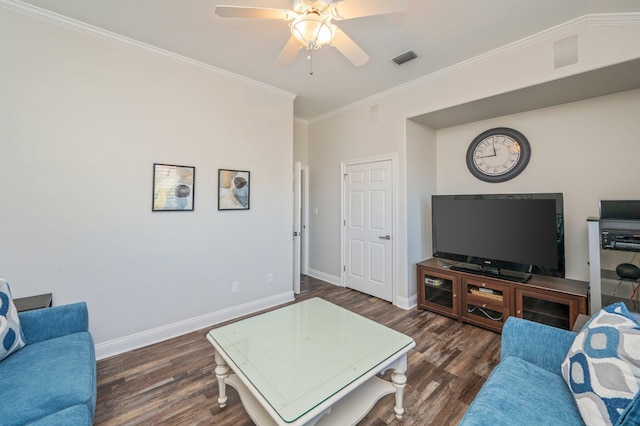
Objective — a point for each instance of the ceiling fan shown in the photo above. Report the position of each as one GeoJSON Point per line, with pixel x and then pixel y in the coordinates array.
{"type": "Point", "coordinates": [311, 26]}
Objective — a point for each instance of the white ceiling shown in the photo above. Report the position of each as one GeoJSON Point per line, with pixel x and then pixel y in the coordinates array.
{"type": "Point", "coordinates": [441, 32]}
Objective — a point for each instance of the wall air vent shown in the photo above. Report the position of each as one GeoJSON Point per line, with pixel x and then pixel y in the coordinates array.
{"type": "Point", "coordinates": [405, 57]}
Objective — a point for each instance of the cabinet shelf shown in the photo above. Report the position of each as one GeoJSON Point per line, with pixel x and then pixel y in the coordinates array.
{"type": "Point", "coordinates": [485, 313]}
{"type": "Point", "coordinates": [543, 318]}
{"type": "Point", "coordinates": [440, 299]}
{"type": "Point", "coordinates": [495, 297]}
{"type": "Point", "coordinates": [608, 274]}
{"type": "Point", "coordinates": [541, 307]}
{"type": "Point", "coordinates": [605, 282]}
{"type": "Point", "coordinates": [445, 286]}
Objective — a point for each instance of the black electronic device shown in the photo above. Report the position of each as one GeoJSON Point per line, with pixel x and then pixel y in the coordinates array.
{"type": "Point", "coordinates": [506, 235]}
{"type": "Point", "coordinates": [615, 239]}
{"type": "Point", "coordinates": [620, 209]}
{"type": "Point", "coordinates": [628, 271]}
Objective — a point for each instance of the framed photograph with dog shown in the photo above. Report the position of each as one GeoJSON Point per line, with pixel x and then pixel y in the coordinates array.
{"type": "Point", "coordinates": [233, 189]}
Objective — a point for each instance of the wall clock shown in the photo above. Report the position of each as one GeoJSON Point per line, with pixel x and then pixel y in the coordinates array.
{"type": "Point", "coordinates": [498, 155]}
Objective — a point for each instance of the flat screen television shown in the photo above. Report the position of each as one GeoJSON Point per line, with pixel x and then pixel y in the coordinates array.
{"type": "Point", "coordinates": [510, 236]}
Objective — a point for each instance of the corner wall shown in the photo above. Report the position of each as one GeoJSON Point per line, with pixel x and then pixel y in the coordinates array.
{"type": "Point", "coordinates": [82, 120]}
{"type": "Point", "coordinates": [587, 150]}
{"type": "Point", "coordinates": [348, 134]}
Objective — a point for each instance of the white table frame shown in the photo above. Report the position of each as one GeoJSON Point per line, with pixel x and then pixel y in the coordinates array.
{"type": "Point", "coordinates": [346, 407]}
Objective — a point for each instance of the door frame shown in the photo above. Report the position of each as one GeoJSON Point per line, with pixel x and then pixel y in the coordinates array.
{"type": "Point", "coordinates": [304, 226]}
{"type": "Point", "coordinates": [394, 220]}
{"type": "Point", "coordinates": [301, 219]}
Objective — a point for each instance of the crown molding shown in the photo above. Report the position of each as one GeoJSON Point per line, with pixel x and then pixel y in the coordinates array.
{"type": "Point", "coordinates": [91, 30]}
{"type": "Point", "coordinates": [601, 19]}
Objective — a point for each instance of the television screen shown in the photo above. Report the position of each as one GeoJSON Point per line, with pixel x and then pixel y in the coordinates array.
{"type": "Point", "coordinates": [520, 232]}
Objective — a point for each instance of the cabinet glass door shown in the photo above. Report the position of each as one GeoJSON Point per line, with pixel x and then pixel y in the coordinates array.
{"type": "Point", "coordinates": [546, 309]}
{"type": "Point", "coordinates": [438, 292]}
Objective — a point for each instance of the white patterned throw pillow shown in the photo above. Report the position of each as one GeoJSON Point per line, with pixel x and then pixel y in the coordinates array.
{"type": "Point", "coordinates": [602, 367]}
{"type": "Point", "coordinates": [11, 338]}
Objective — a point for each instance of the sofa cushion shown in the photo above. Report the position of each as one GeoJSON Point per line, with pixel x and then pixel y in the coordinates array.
{"type": "Point", "coordinates": [47, 377]}
{"type": "Point", "coordinates": [11, 337]}
{"type": "Point", "coordinates": [602, 367]}
{"type": "Point", "coordinates": [520, 393]}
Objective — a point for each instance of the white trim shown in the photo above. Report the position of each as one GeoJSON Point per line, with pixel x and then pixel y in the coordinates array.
{"type": "Point", "coordinates": [407, 303]}
{"type": "Point", "coordinates": [297, 225]}
{"type": "Point", "coordinates": [549, 34]}
{"type": "Point", "coordinates": [323, 276]}
{"type": "Point", "coordinates": [91, 30]}
{"type": "Point", "coordinates": [305, 220]}
{"type": "Point", "coordinates": [169, 331]}
{"type": "Point", "coordinates": [395, 229]}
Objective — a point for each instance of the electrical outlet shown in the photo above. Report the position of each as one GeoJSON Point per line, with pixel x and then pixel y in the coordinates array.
{"type": "Point", "coordinates": [235, 287]}
{"type": "Point", "coordinates": [269, 278]}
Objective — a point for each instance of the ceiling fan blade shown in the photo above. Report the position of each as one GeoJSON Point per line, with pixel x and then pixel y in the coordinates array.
{"type": "Point", "coordinates": [349, 9]}
{"type": "Point", "coordinates": [289, 52]}
{"type": "Point", "coordinates": [349, 48]}
{"type": "Point", "coordinates": [253, 12]}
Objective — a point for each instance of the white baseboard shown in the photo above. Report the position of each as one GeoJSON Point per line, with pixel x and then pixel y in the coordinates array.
{"type": "Point", "coordinates": [331, 279]}
{"type": "Point", "coordinates": [149, 337]}
{"type": "Point", "coordinates": [407, 303]}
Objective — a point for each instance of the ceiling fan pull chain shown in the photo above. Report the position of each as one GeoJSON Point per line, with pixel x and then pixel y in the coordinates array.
{"type": "Point", "coordinates": [310, 57]}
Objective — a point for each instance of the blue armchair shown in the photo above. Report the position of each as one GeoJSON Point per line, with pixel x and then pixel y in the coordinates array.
{"type": "Point", "coordinates": [52, 380]}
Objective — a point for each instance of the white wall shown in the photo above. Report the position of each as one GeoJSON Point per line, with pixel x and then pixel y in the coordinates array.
{"type": "Point", "coordinates": [421, 185]}
{"type": "Point", "coordinates": [586, 150]}
{"type": "Point", "coordinates": [301, 141]}
{"type": "Point", "coordinates": [348, 133]}
{"type": "Point", "coordinates": [82, 120]}
{"type": "Point", "coordinates": [348, 136]}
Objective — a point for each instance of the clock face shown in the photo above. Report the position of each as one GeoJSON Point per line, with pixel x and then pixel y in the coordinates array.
{"type": "Point", "coordinates": [498, 155]}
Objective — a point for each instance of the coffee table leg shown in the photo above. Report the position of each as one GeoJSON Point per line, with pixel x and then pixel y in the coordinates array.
{"type": "Point", "coordinates": [399, 381]}
{"type": "Point", "coordinates": [222, 372]}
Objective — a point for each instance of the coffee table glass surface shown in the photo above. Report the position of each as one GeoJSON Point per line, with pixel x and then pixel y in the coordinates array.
{"type": "Point", "coordinates": [300, 355]}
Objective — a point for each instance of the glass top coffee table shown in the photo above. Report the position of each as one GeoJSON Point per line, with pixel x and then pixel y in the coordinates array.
{"type": "Point", "coordinates": [309, 363]}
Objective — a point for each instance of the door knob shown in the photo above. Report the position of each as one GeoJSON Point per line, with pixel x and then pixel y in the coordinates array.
{"type": "Point", "coordinates": [385, 237]}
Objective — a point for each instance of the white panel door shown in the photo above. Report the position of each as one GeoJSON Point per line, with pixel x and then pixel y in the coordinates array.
{"type": "Point", "coordinates": [368, 222]}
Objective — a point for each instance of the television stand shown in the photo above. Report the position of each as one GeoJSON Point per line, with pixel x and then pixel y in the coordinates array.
{"type": "Point", "coordinates": [515, 276]}
{"type": "Point", "coordinates": [471, 295]}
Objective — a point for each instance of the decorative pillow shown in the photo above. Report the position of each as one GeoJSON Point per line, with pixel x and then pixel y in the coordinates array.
{"type": "Point", "coordinates": [11, 337]}
{"type": "Point", "coordinates": [602, 367]}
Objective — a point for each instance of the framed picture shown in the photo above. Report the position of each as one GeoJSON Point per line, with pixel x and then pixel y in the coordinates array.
{"type": "Point", "coordinates": [173, 187]}
{"type": "Point", "coordinates": [233, 189]}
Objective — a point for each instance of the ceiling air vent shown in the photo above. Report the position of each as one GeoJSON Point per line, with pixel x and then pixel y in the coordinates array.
{"type": "Point", "coordinates": [404, 57]}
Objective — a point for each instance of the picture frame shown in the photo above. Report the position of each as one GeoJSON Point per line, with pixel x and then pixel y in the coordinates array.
{"type": "Point", "coordinates": [233, 189]}
{"type": "Point", "coordinates": [173, 188]}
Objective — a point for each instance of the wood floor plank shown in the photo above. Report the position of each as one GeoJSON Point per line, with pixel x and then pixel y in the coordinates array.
{"type": "Point", "coordinates": [173, 382]}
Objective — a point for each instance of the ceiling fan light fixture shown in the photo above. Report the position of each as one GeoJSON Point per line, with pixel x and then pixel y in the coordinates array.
{"type": "Point", "coordinates": [313, 30]}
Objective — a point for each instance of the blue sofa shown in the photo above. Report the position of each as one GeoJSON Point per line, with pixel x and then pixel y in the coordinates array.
{"type": "Point", "coordinates": [52, 380]}
{"type": "Point", "coordinates": [527, 387]}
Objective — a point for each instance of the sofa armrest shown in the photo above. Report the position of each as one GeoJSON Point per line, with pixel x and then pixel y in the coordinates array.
{"type": "Point", "coordinates": [57, 321]}
{"type": "Point", "coordinates": [539, 344]}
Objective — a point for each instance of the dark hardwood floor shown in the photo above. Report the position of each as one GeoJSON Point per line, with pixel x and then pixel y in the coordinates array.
{"type": "Point", "coordinates": [173, 383]}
